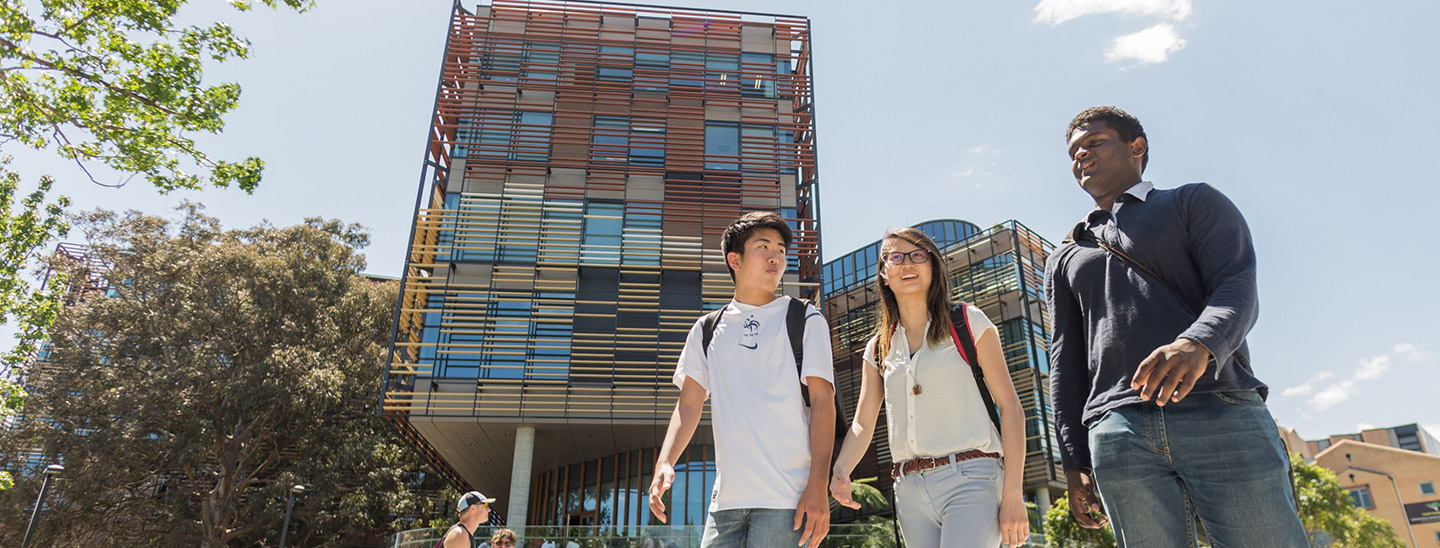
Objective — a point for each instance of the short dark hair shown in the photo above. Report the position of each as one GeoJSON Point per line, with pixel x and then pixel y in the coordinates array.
{"type": "Point", "coordinates": [1124, 123]}
{"type": "Point", "coordinates": [739, 232]}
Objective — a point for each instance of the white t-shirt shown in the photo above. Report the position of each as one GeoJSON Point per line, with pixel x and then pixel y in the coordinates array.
{"type": "Point", "coordinates": [762, 427]}
{"type": "Point", "coordinates": [948, 415]}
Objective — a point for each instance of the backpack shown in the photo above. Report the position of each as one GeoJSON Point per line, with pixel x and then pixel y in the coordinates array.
{"type": "Point", "coordinates": [794, 327]}
{"type": "Point", "coordinates": [966, 346]}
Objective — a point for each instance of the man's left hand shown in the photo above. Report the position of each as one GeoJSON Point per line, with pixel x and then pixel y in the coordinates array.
{"type": "Point", "coordinates": [1170, 371]}
{"type": "Point", "coordinates": [814, 513]}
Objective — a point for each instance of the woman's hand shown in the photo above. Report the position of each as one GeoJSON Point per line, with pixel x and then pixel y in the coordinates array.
{"type": "Point", "coordinates": [840, 490]}
{"type": "Point", "coordinates": [1014, 521]}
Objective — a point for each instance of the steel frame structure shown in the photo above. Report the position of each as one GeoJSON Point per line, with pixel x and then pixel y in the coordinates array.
{"type": "Point", "coordinates": [581, 163]}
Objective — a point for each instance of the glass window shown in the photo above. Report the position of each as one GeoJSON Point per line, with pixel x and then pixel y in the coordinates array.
{"type": "Point", "coordinates": [502, 63]}
{"type": "Point", "coordinates": [687, 68]}
{"type": "Point", "coordinates": [647, 142]}
{"type": "Point", "coordinates": [611, 139]}
{"type": "Point", "coordinates": [615, 64]}
{"type": "Point", "coordinates": [1360, 497]}
{"type": "Point", "coordinates": [758, 78]}
{"type": "Point", "coordinates": [603, 227]}
{"type": "Point", "coordinates": [722, 146]}
{"type": "Point", "coordinates": [1427, 488]}
{"type": "Point", "coordinates": [652, 70]}
{"type": "Point", "coordinates": [788, 155]}
{"type": "Point", "coordinates": [642, 237]}
{"type": "Point", "coordinates": [542, 60]}
{"type": "Point", "coordinates": [721, 71]}
{"type": "Point", "coordinates": [532, 137]}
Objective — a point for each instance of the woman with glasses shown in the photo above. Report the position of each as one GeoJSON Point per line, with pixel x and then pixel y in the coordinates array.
{"type": "Point", "coordinates": [951, 488]}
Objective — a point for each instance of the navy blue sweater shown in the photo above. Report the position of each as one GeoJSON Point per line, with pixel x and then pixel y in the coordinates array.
{"type": "Point", "coordinates": [1108, 317]}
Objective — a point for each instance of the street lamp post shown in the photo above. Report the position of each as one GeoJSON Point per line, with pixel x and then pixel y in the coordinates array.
{"type": "Point", "coordinates": [289, 505]}
{"type": "Point", "coordinates": [50, 472]}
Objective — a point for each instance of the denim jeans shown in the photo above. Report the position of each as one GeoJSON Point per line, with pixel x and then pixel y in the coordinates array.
{"type": "Point", "coordinates": [752, 528]}
{"type": "Point", "coordinates": [1215, 456]}
{"type": "Point", "coordinates": [952, 506]}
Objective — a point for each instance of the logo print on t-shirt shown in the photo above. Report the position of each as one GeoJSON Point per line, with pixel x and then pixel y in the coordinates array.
{"type": "Point", "coordinates": [751, 326]}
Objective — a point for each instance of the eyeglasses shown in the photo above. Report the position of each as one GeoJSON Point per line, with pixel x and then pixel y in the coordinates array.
{"type": "Point", "coordinates": [503, 543]}
{"type": "Point", "coordinates": [897, 258]}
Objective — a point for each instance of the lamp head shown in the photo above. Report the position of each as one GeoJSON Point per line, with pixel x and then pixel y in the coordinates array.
{"type": "Point", "coordinates": [54, 469]}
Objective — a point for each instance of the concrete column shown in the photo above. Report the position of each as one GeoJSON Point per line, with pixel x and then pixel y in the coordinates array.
{"type": "Point", "coordinates": [1042, 501]}
{"type": "Point", "coordinates": [519, 502]}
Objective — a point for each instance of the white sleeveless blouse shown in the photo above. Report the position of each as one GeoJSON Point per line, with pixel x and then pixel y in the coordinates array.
{"type": "Point", "coordinates": [948, 416]}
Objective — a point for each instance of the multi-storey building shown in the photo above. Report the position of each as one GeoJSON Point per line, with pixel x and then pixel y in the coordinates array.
{"type": "Point", "coordinates": [1394, 484]}
{"type": "Point", "coordinates": [583, 160]}
{"type": "Point", "coordinates": [1407, 436]}
{"type": "Point", "coordinates": [1001, 271]}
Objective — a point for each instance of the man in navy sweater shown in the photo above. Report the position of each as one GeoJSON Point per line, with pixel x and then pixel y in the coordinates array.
{"type": "Point", "coordinates": [1156, 404]}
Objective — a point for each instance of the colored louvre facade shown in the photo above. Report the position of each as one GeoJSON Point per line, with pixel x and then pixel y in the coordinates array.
{"type": "Point", "coordinates": [1001, 271]}
{"type": "Point", "coordinates": [582, 162]}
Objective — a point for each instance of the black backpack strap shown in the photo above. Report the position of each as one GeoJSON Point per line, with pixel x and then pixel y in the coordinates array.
{"type": "Point", "coordinates": [966, 344]}
{"type": "Point", "coordinates": [795, 326]}
{"type": "Point", "coordinates": [707, 329]}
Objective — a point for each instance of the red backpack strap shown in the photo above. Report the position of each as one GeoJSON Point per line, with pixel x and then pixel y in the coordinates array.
{"type": "Point", "coordinates": [966, 346]}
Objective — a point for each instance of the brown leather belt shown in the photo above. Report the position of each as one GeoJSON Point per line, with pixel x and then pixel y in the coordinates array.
{"type": "Point", "coordinates": [925, 463]}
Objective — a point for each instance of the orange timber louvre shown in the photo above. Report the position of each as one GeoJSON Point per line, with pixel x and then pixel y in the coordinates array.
{"type": "Point", "coordinates": [582, 162]}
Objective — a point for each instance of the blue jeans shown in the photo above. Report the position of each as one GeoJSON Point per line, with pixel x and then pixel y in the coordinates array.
{"type": "Point", "coordinates": [952, 506]}
{"type": "Point", "coordinates": [1215, 456]}
{"type": "Point", "coordinates": [752, 528]}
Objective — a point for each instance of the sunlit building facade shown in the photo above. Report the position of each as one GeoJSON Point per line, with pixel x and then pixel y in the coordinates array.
{"type": "Point", "coordinates": [583, 160]}
{"type": "Point", "coordinates": [1001, 271]}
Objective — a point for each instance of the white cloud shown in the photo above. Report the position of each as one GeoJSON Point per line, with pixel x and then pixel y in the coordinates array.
{"type": "Point", "coordinates": [1410, 352]}
{"type": "Point", "coordinates": [1333, 395]}
{"type": "Point", "coordinates": [1055, 12]}
{"type": "Point", "coordinates": [1370, 369]}
{"type": "Point", "coordinates": [1362, 426]}
{"type": "Point", "coordinates": [1307, 387]}
{"type": "Point", "coordinates": [1152, 45]}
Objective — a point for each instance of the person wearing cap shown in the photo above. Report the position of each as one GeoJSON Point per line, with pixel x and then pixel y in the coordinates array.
{"type": "Point", "coordinates": [474, 509]}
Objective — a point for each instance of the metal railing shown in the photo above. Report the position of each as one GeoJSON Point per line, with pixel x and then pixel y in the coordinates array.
{"type": "Point", "coordinates": [849, 535]}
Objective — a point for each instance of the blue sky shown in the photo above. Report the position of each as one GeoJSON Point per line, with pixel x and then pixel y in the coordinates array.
{"type": "Point", "coordinates": [1315, 117]}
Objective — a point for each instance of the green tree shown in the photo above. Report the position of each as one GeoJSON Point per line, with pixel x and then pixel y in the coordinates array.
{"type": "Point", "coordinates": [1328, 515]}
{"type": "Point", "coordinates": [1062, 531]}
{"type": "Point", "coordinates": [121, 83]}
{"type": "Point", "coordinates": [221, 368]}
{"type": "Point", "coordinates": [118, 83]}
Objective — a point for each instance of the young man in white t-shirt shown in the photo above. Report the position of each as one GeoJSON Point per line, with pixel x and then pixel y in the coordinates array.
{"type": "Point", "coordinates": [772, 453]}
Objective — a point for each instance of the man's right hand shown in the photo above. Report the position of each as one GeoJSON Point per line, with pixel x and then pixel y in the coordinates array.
{"type": "Point", "coordinates": [664, 476]}
{"type": "Point", "coordinates": [1083, 501]}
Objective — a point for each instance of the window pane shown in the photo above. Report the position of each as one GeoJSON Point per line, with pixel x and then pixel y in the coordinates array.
{"type": "Point", "coordinates": [722, 146]}
{"type": "Point", "coordinates": [532, 137]}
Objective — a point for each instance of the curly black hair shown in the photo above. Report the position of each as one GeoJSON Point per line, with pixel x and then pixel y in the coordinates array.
{"type": "Point", "coordinates": [739, 232]}
{"type": "Point", "coordinates": [1127, 125]}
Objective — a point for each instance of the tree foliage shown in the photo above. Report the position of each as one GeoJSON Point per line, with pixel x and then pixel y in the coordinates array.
{"type": "Point", "coordinates": [25, 229]}
{"type": "Point", "coordinates": [220, 368]}
{"type": "Point", "coordinates": [114, 82]}
{"type": "Point", "coordinates": [121, 83]}
{"type": "Point", "coordinates": [1328, 515]}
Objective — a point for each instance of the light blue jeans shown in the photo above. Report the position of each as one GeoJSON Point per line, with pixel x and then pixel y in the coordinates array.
{"type": "Point", "coordinates": [751, 528]}
{"type": "Point", "coordinates": [952, 506]}
{"type": "Point", "coordinates": [1217, 456]}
